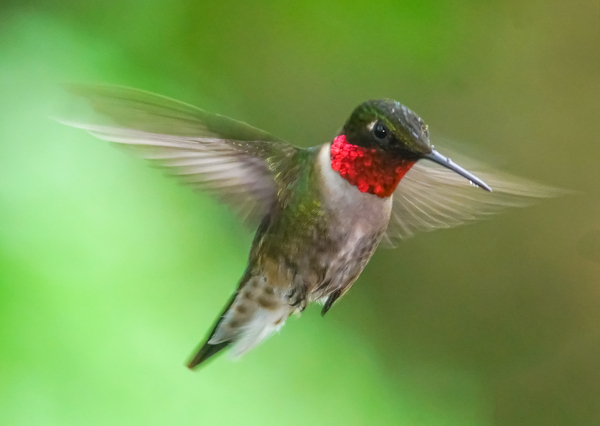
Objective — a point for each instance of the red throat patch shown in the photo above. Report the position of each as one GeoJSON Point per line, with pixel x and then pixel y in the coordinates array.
{"type": "Point", "coordinates": [369, 169]}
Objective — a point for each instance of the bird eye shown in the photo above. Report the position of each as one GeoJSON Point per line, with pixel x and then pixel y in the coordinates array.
{"type": "Point", "coordinates": [380, 131]}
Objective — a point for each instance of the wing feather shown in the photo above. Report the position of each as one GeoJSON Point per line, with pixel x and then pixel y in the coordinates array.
{"type": "Point", "coordinates": [431, 197]}
{"type": "Point", "coordinates": [230, 159]}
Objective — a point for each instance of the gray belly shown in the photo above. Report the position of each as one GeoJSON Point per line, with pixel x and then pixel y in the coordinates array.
{"type": "Point", "coordinates": [345, 265]}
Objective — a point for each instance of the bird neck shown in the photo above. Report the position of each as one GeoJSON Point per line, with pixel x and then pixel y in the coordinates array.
{"type": "Point", "coordinates": [369, 169]}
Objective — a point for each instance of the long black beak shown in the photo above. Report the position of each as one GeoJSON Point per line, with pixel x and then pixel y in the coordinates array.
{"type": "Point", "coordinates": [446, 162]}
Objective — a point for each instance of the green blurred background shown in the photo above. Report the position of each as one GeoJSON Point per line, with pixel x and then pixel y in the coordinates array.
{"type": "Point", "coordinates": [110, 274]}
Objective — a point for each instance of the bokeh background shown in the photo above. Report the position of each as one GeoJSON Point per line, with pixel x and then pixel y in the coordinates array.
{"type": "Point", "coordinates": [110, 274]}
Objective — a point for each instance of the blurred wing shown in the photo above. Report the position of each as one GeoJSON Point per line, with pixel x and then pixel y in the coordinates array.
{"type": "Point", "coordinates": [233, 160]}
{"type": "Point", "coordinates": [430, 197]}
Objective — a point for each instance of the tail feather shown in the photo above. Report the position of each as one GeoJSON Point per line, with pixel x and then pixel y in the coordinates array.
{"type": "Point", "coordinates": [207, 350]}
{"type": "Point", "coordinates": [253, 314]}
{"type": "Point", "coordinates": [263, 324]}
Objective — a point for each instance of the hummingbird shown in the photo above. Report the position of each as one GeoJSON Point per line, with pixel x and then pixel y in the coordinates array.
{"type": "Point", "coordinates": [319, 213]}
